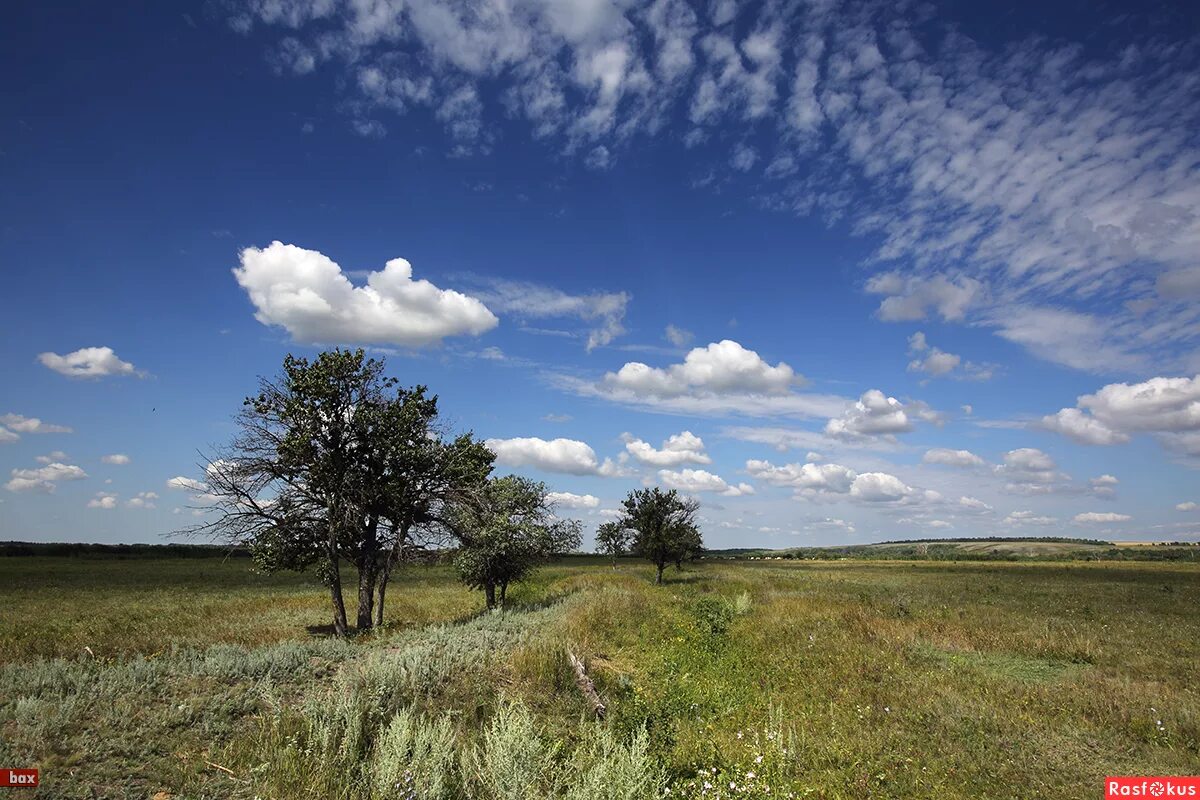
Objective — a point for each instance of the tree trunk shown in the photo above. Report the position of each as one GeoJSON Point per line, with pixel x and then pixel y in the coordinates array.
{"type": "Point", "coordinates": [489, 591]}
{"type": "Point", "coordinates": [658, 576]}
{"type": "Point", "coordinates": [367, 567]}
{"type": "Point", "coordinates": [503, 592]}
{"type": "Point", "coordinates": [384, 574]}
{"type": "Point", "coordinates": [340, 626]}
{"type": "Point", "coordinates": [385, 571]}
{"type": "Point", "coordinates": [366, 595]}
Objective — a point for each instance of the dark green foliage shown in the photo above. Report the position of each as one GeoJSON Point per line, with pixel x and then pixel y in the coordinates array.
{"type": "Point", "coordinates": [713, 614]}
{"type": "Point", "coordinates": [335, 461]}
{"type": "Point", "coordinates": [663, 527]}
{"type": "Point", "coordinates": [613, 540]}
{"type": "Point", "coordinates": [507, 531]}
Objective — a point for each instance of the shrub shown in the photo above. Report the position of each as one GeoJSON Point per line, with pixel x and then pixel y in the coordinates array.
{"type": "Point", "coordinates": [605, 769]}
{"type": "Point", "coordinates": [513, 762]}
{"type": "Point", "coordinates": [414, 757]}
{"type": "Point", "coordinates": [713, 614]}
{"type": "Point", "coordinates": [742, 604]}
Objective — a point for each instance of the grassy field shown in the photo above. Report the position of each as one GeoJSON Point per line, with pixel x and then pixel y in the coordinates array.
{"type": "Point", "coordinates": [736, 679]}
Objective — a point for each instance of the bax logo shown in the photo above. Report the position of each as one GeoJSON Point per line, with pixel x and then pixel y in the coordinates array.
{"type": "Point", "coordinates": [18, 778]}
{"type": "Point", "coordinates": [1164, 786]}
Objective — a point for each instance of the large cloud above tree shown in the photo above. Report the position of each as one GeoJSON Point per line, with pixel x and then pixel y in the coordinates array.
{"type": "Point", "coordinates": [307, 293]}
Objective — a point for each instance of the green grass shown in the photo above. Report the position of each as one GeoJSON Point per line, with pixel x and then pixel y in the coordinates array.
{"type": "Point", "coordinates": [843, 679]}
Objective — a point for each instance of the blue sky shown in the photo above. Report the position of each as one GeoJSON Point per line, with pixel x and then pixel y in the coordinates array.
{"type": "Point", "coordinates": [844, 271]}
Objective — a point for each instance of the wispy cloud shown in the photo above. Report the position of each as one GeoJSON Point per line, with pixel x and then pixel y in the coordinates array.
{"type": "Point", "coordinates": [603, 311]}
{"type": "Point", "coordinates": [1036, 177]}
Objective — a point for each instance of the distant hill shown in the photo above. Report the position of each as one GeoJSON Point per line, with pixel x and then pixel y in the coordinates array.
{"type": "Point", "coordinates": [987, 549]}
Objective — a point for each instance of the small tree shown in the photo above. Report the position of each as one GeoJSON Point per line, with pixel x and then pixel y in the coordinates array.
{"type": "Point", "coordinates": [613, 539]}
{"type": "Point", "coordinates": [427, 484]}
{"type": "Point", "coordinates": [691, 546]}
{"type": "Point", "coordinates": [664, 527]}
{"type": "Point", "coordinates": [506, 532]}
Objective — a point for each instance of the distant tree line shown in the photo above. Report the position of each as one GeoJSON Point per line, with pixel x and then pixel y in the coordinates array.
{"type": "Point", "coordinates": [335, 463]}
{"type": "Point", "coordinates": [120, 551]}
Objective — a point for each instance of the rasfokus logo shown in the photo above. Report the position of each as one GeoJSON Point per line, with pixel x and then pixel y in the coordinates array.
{"type": "Point", "coordinates": [1164, 786]}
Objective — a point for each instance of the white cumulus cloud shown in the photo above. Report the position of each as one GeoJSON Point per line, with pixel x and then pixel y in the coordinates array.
{"type": "Point", "coordinates": [569, 456]}
{"type": "Point", "coordinates": [310, 296]}
{"type": "Point", "coordinates": [570, 500]}
{"type": "Point", "coordinates": [678, 336]}
{"type": "Point", "coordinates": [1106, 516]}
{"type": "Point", "coordinates": [1030, 471]}
{"type": "Point", "coordinates": [1104, 486]}
{"type": "Point", "coordinates": [874, 414]}
{"type": "Point", "coordinates": [953, 458]}
{"type": "Point", "coordinates": [44, 480]}
{"type": "Point", "coordinates": [930, 360]}
{"type": "Point", "coordinates": [1085, 429]}
{"type": "Point", "coordinates": [698, 480]}
{"type": "Point", "coordinates": [187, 484]}
{"type": "Point", "coordinates": [144, 500]}
{"type": "Point", "coordinates": [1168, 408]}
{"type": "Point", "coordinates": [22, 424]}
{"type": "Point", "coordinates": [89, 362]}
{"type": "Point", "coordinates": [816, 481]}
{"type": "Point", "coordinates": [974, 504]}
{"type": "Point", "coordinates": [724, 367]}
{"type": "Point", "coordinates": [913, 298]}
{"type": "Point", "coordinates": [879, 487]}
{"type": "Point", "coordinates": [833, 478]}
{"type": "Point", "coordinates": [1029, 518]}
{"type": "Point", "coordinates": [682, 448]}
{"type": "Point", "coordinates": [105, 500]}
{"type": "Point", "coordinates": [115, 458]}
{"type": "Point", "coordinates": [721, 378]}
{"type": "Point", "coordinates": [935, 362]}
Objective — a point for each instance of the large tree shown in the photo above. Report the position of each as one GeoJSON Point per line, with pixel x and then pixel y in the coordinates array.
{"type": "Point", "coordinates": [663, 525]}
{"type": "Point", "coordinates": [333, 461]}
{"type": "Point", "coordinates": [505, 532]}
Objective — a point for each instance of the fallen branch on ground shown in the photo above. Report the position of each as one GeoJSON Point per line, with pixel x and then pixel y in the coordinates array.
{"type": "Point", "coordinates": [226, 770]}
{"type": "Point", "coordinates": [586, 687]}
